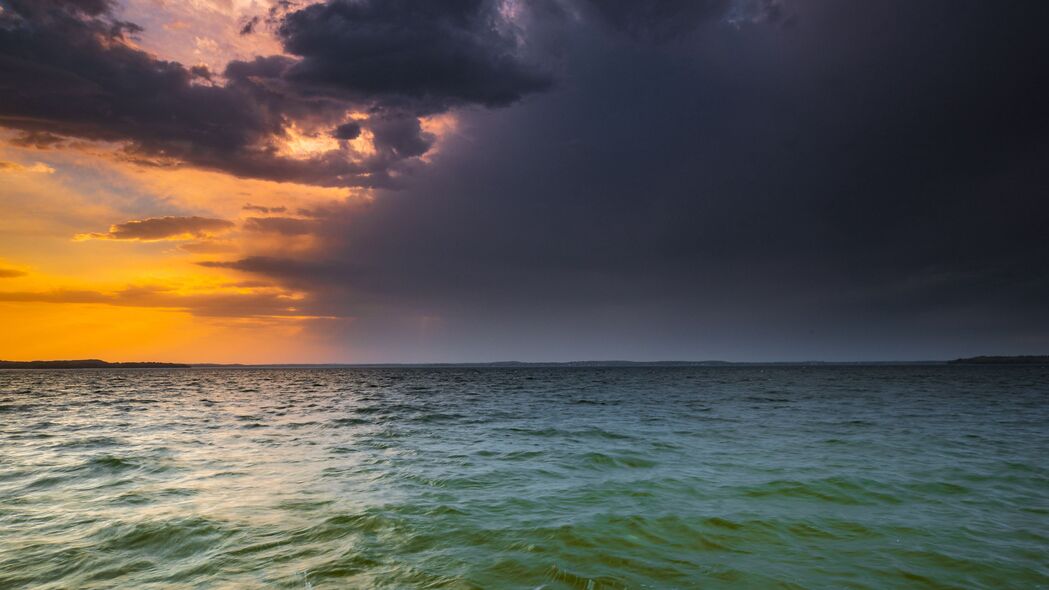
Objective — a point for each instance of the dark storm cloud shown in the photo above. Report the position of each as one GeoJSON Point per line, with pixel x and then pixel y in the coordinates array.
{"type": "Point", "coordinates": [867, 183]}
{"type": "Point", "coordinates": [71, 74]}
{"type": "Point", "coordinates": [401, 136]}
{"type": "Point", "coordinates": [85, 7]}
{"type": "Point", "coordinates": [347, 131]}
{"type": "Point", "coordinates": [429, 54]}
{"type": "Point", "coordinates": [289, 226]}
{"type": "Point", "coordinates": [658, 20]}
{"type": "Point", "coordinates": [290, 271]}
{"type": "Point", "coordinates": [67, 70]}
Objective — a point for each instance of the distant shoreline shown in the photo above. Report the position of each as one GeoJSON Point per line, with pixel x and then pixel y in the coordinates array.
{"type": "Point", "coordinates": [1003, 360]}
{"type": "Point", "coordinates": [100, 364]}
{"type": "Point", "coordinates": [88, 364]}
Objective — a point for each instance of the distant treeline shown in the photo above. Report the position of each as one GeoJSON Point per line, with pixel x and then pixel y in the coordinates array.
{"type": "Point", "coordinates": [86, 364]}
{"type": "Point", "coordinates": [1003, 360]}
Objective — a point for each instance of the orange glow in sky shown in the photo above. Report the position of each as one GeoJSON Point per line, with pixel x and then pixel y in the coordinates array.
{"type": "Point", "coordinates": [73, 286]}
{"type": "Point", "coordinates": [109, 253]}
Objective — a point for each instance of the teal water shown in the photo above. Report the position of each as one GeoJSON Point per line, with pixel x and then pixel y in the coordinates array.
{"type": "Point", "coordinates": [834, 477]}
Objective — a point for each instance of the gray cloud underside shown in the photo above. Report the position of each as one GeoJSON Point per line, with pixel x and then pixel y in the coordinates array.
{"type": "Point", "coordinates": [218, 305]}
{"type": "Point", "coordinates": [262, 209]}
{"type": "Point", "coordinates": [867, 182]}
{"type": "Point", "coordinates": [289, 226]}
{"type": "Point", "coordinates": [65, 70]}
{"type": "Point", "coordinates": [429, 55]}
{"type": "Point", "coordinates": [161, 228]}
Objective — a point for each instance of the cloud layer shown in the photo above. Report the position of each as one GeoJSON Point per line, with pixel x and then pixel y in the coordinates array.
{"type": "Point", "coordinates": [261, 304]}
{"type": "Point", "coordinates": [162, 228]}
{"type": "Point", "coordinates": [864, 183]}
{"type": "Point", "coordinates": [746, 179]}
{"type": "Point", "coordinates": [70, 69]}
{"type": "Point", "coordinates": [424, 56]}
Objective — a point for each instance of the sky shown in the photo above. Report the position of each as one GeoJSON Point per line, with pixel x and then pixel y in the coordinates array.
{"type": "Point", "coordinates": [361, 181]}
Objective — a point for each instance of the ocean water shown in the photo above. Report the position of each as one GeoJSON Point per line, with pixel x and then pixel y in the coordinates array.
{"type": "Point", "coordinates": [738, 477]}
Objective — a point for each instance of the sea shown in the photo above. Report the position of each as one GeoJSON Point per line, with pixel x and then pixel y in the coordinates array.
{"type": "Point", "coordinates": [854, 477]}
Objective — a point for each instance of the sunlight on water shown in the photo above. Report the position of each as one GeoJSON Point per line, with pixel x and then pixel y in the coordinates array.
{"type": "Point", "coordinates": [879, 477]}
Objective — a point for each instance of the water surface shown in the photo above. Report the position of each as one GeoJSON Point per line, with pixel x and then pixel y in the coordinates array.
{"type": "Point", "coordinates": [834, 477]}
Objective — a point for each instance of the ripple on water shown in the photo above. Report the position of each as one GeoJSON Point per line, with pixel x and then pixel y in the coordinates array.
{"type": "Point", "coordinates": [891, 477]}
{"type": "Point", "coordinates": [834, 490]}
{"type": "Point", "coordinates": [607, 461]}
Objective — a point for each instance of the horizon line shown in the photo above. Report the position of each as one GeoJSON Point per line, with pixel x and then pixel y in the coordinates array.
{"type": "Point", "coordinates": [94, 362]}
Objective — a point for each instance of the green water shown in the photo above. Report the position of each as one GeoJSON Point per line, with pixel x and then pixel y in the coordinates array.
{"type": "Point", "coordinates": [877, 477]}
